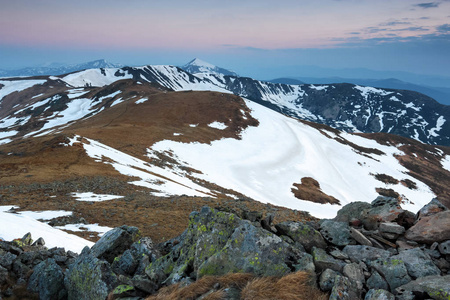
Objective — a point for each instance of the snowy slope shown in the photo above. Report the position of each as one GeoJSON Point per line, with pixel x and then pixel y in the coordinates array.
{"type": "Point", "coordinates": [272, 157]}
{"type": "Point", "coordinates": [53, 237]}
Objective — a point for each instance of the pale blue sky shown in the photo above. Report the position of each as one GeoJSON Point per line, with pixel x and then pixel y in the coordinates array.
{"type": "Point", "coordinates": [255, 38]}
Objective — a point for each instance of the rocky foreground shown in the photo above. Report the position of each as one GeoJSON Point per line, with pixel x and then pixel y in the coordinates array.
{"type": "Point", "coordinates": [369, 251]}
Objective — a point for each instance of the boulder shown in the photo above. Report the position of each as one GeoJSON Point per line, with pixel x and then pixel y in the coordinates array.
{"type": "Point", "coordinates": [326, 280]}
{"type": "Point", "coordinates": [3, 275]}
{"type": "Point", "coordinates": [379, 295]}
{"type": "Point", "coordinates": [323, 261]}
{"type": "Point", "coordinates": [89, 277]}
{"type": "Point", "coordinates": [383, 209]}
{"type": "Point", "coordinates": [249, 250]}
{"type": "Point", "coordinates": [343, 289]}
{"type": "Point", "coordinates": [336, 233]}
{"type": "Point", "coordinates": [437, 287]}
{"type": "Point", "coordinates": [359, 237]}
{"type": "Point", "coordinates": [359, 253]}
{"type": "Point", "coordinates": [376, 281]}
{"type": "Point", "coordinates": [302, 233]}
{"type": "Point", "coordinates": [351, 211]}
{"type": "Point", "coordinates": [389, 227]}
{"type": "Point", "coordinates": [433, 207]}
{"type": "Point", "coordinates": [430, 229]}
{"type": "Point", "coordinates": [7, 259]}
{"type": "Point", "coordinates": [354, 272]}
{"type": "Point", "coordinates": [393, 270]}
{"type": "Point", "coordinates": [48, 280]}
{"type": "Point", "coordinates": [113, 243]}
{"type": "Point", "coordinates": [304, 262]}
{"type": "Point", "coordinates": [418, 263]}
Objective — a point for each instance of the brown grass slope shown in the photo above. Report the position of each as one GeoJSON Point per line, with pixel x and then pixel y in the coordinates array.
{"type": "Point", "coordinates": [294, 286]}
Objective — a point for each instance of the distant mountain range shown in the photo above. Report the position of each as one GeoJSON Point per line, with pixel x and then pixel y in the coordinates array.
{"type": "Point", "coordinates": [58, 70]}
{"type": "Point", "coordinates": [440, 94]}
{"type": "Point", "coordinates": [196, 66]}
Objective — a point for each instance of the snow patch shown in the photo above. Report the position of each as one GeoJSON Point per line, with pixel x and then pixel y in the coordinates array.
{"type": "Point", "coordinates": [218, 125]}
{"type": "Point", "coordinates": [89, 196]}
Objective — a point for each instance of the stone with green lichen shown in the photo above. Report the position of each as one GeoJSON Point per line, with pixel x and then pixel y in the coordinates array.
{"type": "Point", "coordinates": [47, 280]}
{"type": "Point", "coordinates": [379, 294]}
{"type": "Point", "coordinates": [393, 270]}
{"type": "Point", "coordinates": [249, 250]}
{"type": "Point", "coordinates": [336, 233]}
{"type": "Point", "coordinates": [418, 263]}
{"type": "Point", "coordinates": [122, 291]}
{"type": "Point", "coordinates": [302, 233]}
{"type": "Point", "coordinates": [89, 278]}
{"type": "Point", "coordinates": [324, 261]}
{"type": "Point", "coordinates": [437, 287]}
{"type": "Point", "coordinates": [115, 242]}
{"type": "Point", "coordinates": [207, 233]}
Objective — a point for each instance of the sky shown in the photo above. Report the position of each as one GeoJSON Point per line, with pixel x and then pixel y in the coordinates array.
{"type": "Point", "coordinates": [258, 38]}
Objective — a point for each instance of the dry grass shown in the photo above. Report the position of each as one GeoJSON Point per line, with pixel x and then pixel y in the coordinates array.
{"type": "Point", "coordinates": [309, 190]}
{"type": "Point", "coordinates": [294, 286]}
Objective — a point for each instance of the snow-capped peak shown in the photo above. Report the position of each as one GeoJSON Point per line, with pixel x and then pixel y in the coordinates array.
{"type": "Point", "coordinates": [201, 63]}
{"type": "Point", "coordinates": [198, 66]}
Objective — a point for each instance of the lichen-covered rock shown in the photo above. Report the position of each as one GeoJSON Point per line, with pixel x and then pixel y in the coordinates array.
{"type": "Point", "coordinates": [122, 291]}
{"type": "Point", "coordinates": [393, 270]}
{"type": "Point", "coordinates": [351, 211]}
{"type": "Point", "coordinates": [114, 242]}
{"type": "Point", "coordinates": [126, 264]}
{"type": "Point", "coordinates": [383, 209]}
{"type": "Point", "coordinates": [336, 233]}
{"type": "Point", "coordinates": [430, 229]}
{"type": "Point", "coordinates": [3, 275]}
{"type": "Point", "coordinates": [379, 295]}
{"type": "Point", "coordinates": [418, 263]}
{"type": "Point", "coordinates": [48, 280]}
{"type": "Point", "coordinates": [323, 261]}
{"type": "Point", "coordinates": [343, 289]}
{"type": "Point", "coordinates": [359, 253]}
{"type": "Point", "coordinates": [141, 282]}
{"type": "Point", "coordinates": [89, 277]}
{"type": "Point", "coordinates": [437, 287]}
{"type": "Point", "coordinates": [304, 262]}
{"type": "Point", "coordinates": [207, 233]}
{"type": "Point", "coordinates": [375, 281]}
{"type": "Point", "coordinates": [326, 280]}
{"type": "Point", "coordinates": [302, 233]}
{"type": "Point", "coordinates": [249, 250]}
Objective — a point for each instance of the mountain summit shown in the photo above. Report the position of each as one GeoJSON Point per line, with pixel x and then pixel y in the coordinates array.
{"type": "Point", "coordinates": [196, 66]}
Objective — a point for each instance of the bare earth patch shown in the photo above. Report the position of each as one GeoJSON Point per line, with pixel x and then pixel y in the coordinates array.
{"type": "Point", "coordinates": [309, 190]}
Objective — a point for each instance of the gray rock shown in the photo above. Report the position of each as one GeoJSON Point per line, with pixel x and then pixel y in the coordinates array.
{"type": "Point", "coordinates": [303, 234]}
{"type": "Point", "coordinates": [359, 237]}
{"type": "Point", "coordinates": [326, 280]}
{"type": "Point", "coordinates": [433, 207]}
{"type": "Point", "coordinates": [383, 209]}
{"type": "Point", "coordinates": [351, 211]}
{"type": "Point", "coordinates": [343, 289]}
{"type": "Point", "coordinates": [391, 228]}
{"type": "Point", "coordinates": [39, 242]}
{"type": "Point", "coordinates": [7, 259]}
{"type": "Point", "coordinates": [417, 263]}
{"type": "Point", "coordinates": [323, 261]}
{"type": "Point", "coordinates": [444, 247]}
{"type": "Point", "coordinates": [379, 295]}
{"type": "Point", "coordinates": [375, 281]}
{"type": "Point", "coordinates": [20, 269]}
{"type": "Point", "coordinates": [437, 287]}
{"type": "Point", "coordinates": [249, 250]}
{"type": "Point", "coordinates": [142, 283]}
{"type": "Point", "coordinates": [113, 243]}
{"type": "Point", "coordinates": [126, 264]}
{"type": "Point", "coordinates": [48, 280]}
{"type": "Point", "coordinates": [336, 253]}
{"type": "Point", "coordinates": [359, 253]}
{"type": "Point", "coordinates": [336, 233]}
{"type": "Point", "coordinates": [354, 272]}
{"type": "Point", "coordinates": [304, 262]}
{"type": "Point", "coordinates": [430, 229]}
{"type": "Point", "coordinates": [3, 275]}
{"type": "Point", "coordinates": [393, 270]}
{"type": "Point", "coordinates": [89, 278]}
